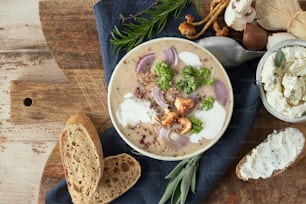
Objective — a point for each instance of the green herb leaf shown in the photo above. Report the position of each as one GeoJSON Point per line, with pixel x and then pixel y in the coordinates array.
{"type": "Point", "coordinates": [157, 16]}
{"type": "Point", "coordinates": [177, 169]}
{"type": "Point", "coordinates": [193, 78]}
{"type": "Point", "coordinates": [208, 103]}
{"type": "Point", "coordinates": [137, 153]}
{"type": "Point", "coordinates": [186, 184]}
{"type": "Point", "coordinates": [171, 187]}
{"type": "Point", "coordinates": [196, 124]}
{"type": "Point", "coordinates": [194, 176]}
{"type": "Point", "coordinates": [181, 181]}
{"type": "Point", "coordinates": [279, 58]}
{"type": "Point", "coordinates": [165, 74]}
{"type": "Point", "coordinates": [176, 198]}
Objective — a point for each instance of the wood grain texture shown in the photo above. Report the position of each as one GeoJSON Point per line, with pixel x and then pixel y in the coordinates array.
{"type": "Point", "coordinates": [24, 55]}
{"type": "Point", "coordinates": [52, 174]}
{"type": "Point", "coordinates": [289, 187]}
{"type": "Point", "coordinates": [57, 101]}
{"type": "Point", "coordinates": [71, 34]}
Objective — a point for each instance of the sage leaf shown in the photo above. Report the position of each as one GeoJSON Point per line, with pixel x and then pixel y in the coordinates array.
{"type": "Point", "coordinates": [175, 198]}
{"type": "Point", "coordinates": [177, 169]}
{"type": "Point", "coordinates": [279, 58]}
{"type": "Point", "coordinates": [186, 183]}
{"type": "Point", "coordinates": [182, 179]}
{"type": "Point", "coordinates": [194, 179]}
{"type": "Point", "coordinates": [171, 187]}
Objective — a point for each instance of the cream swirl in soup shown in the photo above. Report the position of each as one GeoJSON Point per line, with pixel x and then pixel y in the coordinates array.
{"type": "Point", "coordinates": [171, 98]}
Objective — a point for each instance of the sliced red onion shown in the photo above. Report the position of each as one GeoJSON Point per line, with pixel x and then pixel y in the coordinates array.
{"type": "Point", "coordinates": [181, 142]}
{"type": "Point", "coordinates": [145, 61]}
{"type": "Point", "coordinates": [221, 92]}
{"type": "Point", "coordinates": [159, 98]}
{"type": "Point", "coordinates": [171, 56]}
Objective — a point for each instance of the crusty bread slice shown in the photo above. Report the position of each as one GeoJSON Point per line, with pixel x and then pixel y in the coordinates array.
{"type": "Point", "coordinates": [248, 163]}
{"type": "Point", "coordinates": [121, 172]}
{"type": "Point", "coordinates": [82, 157]}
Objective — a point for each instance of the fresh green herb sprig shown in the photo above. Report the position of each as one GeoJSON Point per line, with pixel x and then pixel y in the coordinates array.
{"type": "Point", "coordinates": [155, 20]}
{"type": "Point", "coordinates": [165, 74]}
{"type": "Point", "coordinates": [208, 103]}
{"type": "Point", "coordinates": [137, 153]}
{"type": "Point", "coordinates": [196, 124]}
{"type": "Point", "coordinates": [182, 179]}
{"type": "Point", "coordinates": [193, 78]}
{"type": "Point", "coordinates": [279, 59]}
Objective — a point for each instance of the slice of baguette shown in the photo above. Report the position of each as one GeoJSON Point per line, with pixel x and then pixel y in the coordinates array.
{"type": "Point", "coordinates": [82, 157]}
{"type": "Point", "coordinates": [256, 160]}
{"type": "Point", "coordinates": [121, 172]}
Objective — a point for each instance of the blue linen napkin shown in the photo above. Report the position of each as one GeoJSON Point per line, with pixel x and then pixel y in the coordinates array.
{"type": "Point", "coordinates": [214, 162]}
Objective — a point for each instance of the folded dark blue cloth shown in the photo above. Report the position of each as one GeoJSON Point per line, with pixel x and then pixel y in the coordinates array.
{"type": "Point", "coordinates": [214, 162]}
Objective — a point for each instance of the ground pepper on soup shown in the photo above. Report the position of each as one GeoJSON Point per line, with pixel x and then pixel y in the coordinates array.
{"type": "Point", "coordinates": [171, 98]}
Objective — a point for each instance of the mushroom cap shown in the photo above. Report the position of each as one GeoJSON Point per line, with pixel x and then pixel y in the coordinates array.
{"type": "Point", "coordinates": [237, 19]}
{"type": "Point", "coordinates": [187, 29]}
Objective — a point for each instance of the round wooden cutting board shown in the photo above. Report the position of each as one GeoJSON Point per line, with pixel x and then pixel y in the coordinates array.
{"type": "Point", "coordinates": [70, 30]}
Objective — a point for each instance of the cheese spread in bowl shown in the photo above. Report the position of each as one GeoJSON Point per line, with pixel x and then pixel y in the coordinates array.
{"type": "Point", "coordinates": [170, 99]}
{"type": "Point", "coordinates": [281, 77]}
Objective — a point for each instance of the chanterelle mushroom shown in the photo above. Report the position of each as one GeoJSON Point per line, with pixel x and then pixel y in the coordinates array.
{"type": "Point", "coordinates": [187, 28]}
{"type": "Point", "coordinates": [239, 13]}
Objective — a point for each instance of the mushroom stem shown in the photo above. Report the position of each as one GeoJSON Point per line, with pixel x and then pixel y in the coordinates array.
{"type": "Point", "coordinates": [220, 32]}
{"type": "Point", "coordinates": [211, 12]}
{"type": "Point", "coordinates": [213, 18]}
{"type": "Point", "coordinates": [216, 7]}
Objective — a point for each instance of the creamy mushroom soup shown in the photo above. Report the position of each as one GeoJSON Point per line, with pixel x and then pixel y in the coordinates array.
{"type": "Point", "coordinates": [170, 97]}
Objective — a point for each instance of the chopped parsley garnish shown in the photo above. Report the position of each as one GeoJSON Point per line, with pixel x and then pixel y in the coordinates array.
{"type": "Point", "coordinates": [165, 73]}
{"type": "Point", "coordinates": [196, 124]}
{"type": "Point", "coordinates": [193, 78]}
{"type": "Point", "coordinates": [208, 103]}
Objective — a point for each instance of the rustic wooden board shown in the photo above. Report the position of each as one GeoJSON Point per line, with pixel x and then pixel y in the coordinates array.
{"type": "Point", "coordinates": [71, 34]}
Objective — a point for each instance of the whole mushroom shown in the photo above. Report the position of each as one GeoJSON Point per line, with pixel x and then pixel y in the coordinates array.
{"type": "Point", "coordinates": [254, 37]}
{"type": "Point", "coordinates": [238, 13]}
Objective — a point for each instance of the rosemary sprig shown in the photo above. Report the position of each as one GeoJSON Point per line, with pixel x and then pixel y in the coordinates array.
{"type": "Point", "coordinates": [182, 180]}
{"type": "Point", "coordinates": [156, 19]}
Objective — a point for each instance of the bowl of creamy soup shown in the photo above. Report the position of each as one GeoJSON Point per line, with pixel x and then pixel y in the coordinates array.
{"type": "Point", "coordinates": [170, 99]}
{"type": "Point", "coordinates": [281, 78]}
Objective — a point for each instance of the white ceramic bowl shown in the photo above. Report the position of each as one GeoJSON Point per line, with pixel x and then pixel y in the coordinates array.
{"type": "Point", "coordinates": [133, 56]}
{"type": "Point", "coordinates": [269, 108]}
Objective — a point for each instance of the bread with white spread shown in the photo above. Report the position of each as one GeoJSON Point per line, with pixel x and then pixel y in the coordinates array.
{"type": "Point", "coordinates": [121, 172]}
{"type": "Point", "coordinates": [82, 157]}
{"type": "Point", "coordinates": [279, 151]}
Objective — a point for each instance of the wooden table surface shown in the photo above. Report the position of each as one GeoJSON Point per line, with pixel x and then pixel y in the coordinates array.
{"type": "Point", "coordinates": [27, 147]}
{"type": "Point", "coordinates": [24, 55]}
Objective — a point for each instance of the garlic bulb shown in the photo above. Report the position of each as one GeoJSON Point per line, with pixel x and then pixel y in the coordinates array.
{"type": "Point", "coordinates": [282, 15]}
{"type": "Point", "coordinates": [298, 25]}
